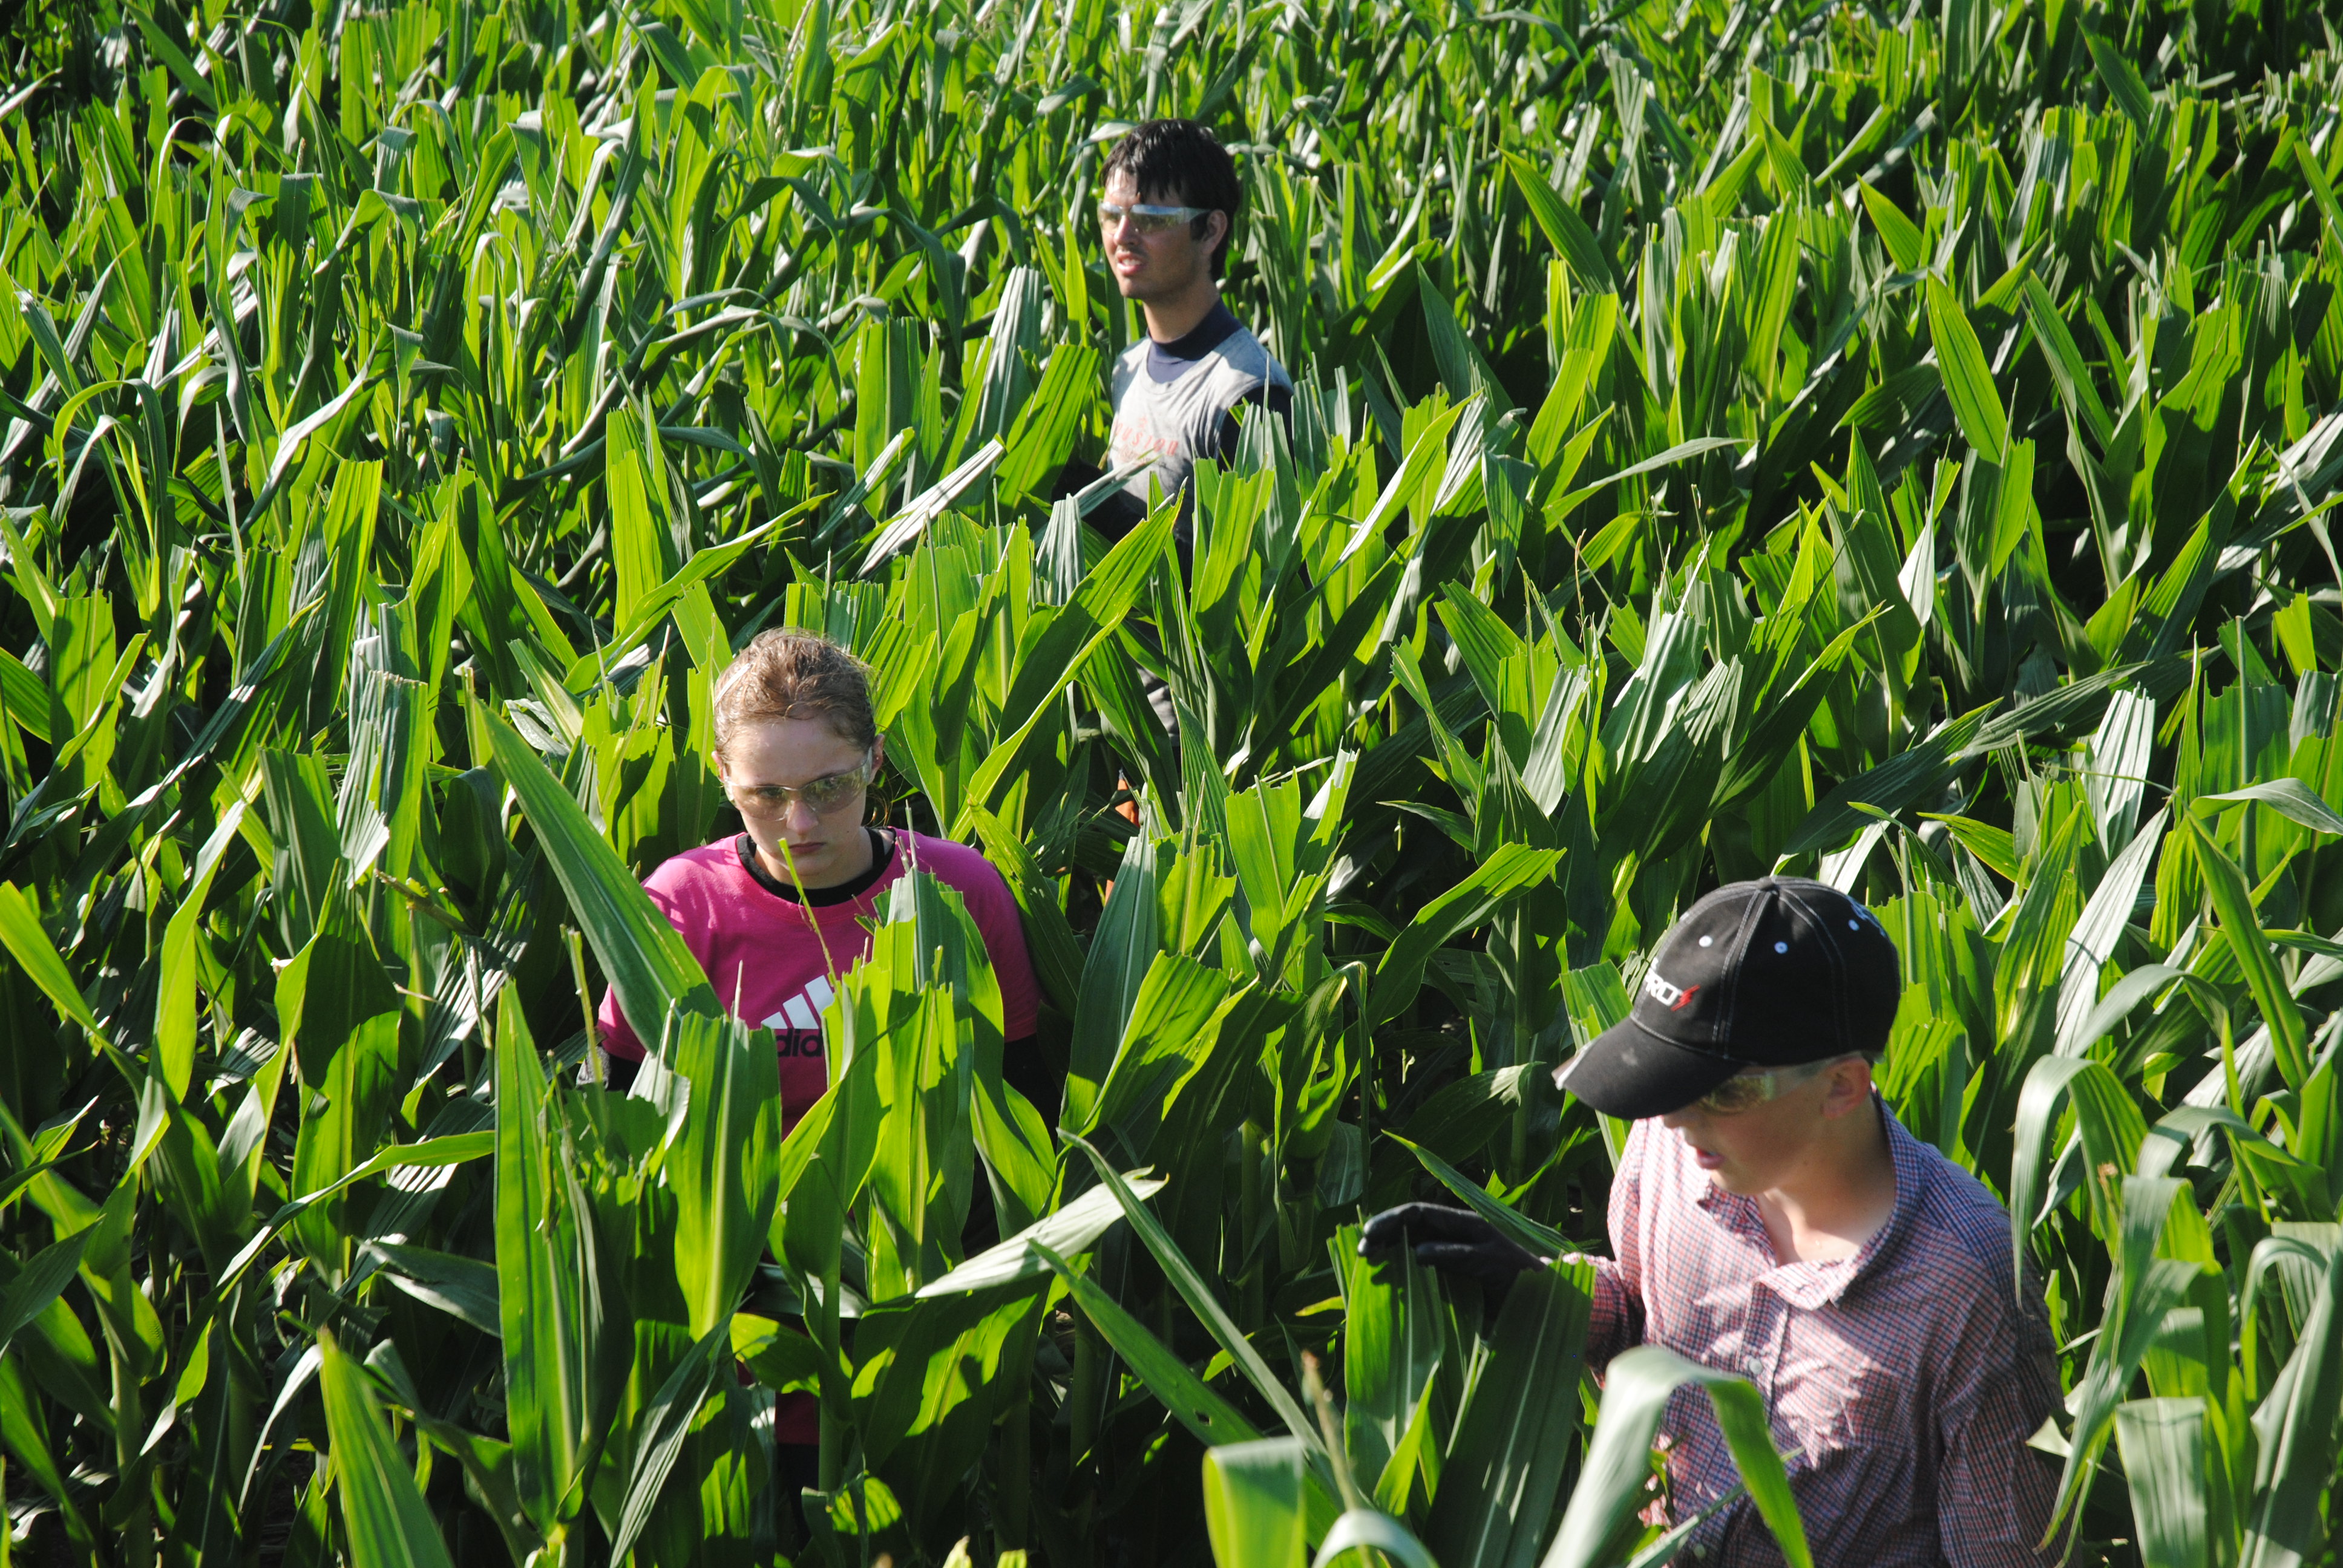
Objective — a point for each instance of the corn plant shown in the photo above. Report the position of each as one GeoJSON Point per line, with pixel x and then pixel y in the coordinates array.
{"type": "Point", "coordinates": [1891, 444]}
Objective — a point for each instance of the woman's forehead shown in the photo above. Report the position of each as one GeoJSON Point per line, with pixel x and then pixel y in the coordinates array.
{"type": "Point", "coordinates": [789, 750]}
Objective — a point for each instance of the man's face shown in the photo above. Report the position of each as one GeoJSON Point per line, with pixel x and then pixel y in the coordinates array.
{"type": "Point", "coordinates": [1763, 1147]}
{"type": "Point", "coordinates": [1156, 266]}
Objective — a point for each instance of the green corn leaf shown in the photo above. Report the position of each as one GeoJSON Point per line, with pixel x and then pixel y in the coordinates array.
{"type": "Point", "coordinates": [1368, 1532]}
{"type": "Point", "coordinates": [39, 1282]}
{"type": "Point", "coordinates": [1069, 1232]}
{"type": "Point", "coordinates": [2091, 941]}
{"type": "Point", "coordinates": [1191, 1402]}
{"type": "Point", "coordinates": [1968, 382]}
{"type": "Point", "coordinates": [1392, 1347]}
{"type": "Point", "coordinates": [2233, 902]}
{"type": "Point", "coordinates": [1699, 445]}
{"type": "Point", "coordinates": [1993, 846]}
{"type": "Point", "coordinates": [1563, 229]}
{"type": "Point", "coordinates": [783, 1359]}
{"type": "Point", "coordinates": [828, 1153]}
{"type": "Point", "coordinates": [724, 1166]}
{"type": "Point", "coordinates": [24, 698]}
{"type": "Point", "coordinates": [1057, 956]}
{"type": "Point", "coordinates": [545, 1304]}
{"type": "Point", "coordinates": [1427, 455]}
{"type": "Point", "coordinates": [2294, 1423]}
{"type": "Point", "coordinates": [29, 945]}
{"type": "Point", "coordinates": [2072, 704]}
{"type": "Point", "coordinates": [648, 966]}
{"type": "Point", "coordinates": [175, 1005]}
{"type": "Point", "coordinates": [2123, 82]}
{"type": "Point", "coordinates": [1174, 1021]}
{"type": "Point", "coordinates": [2066, 366]}
{"type": "Point", "coordinates": [1107, 597]}
{"type": "Point", "coordinates": [1415, 1458]}
{"type": "Point", "coordinates": [1543, 1241]}
{"type": "Point", "coordinates": [2289, 798]}
{"type": "Point", "coordinates": [639, 555]}
{"type": "Point", "coordinates": [2140, 1297]}
{"type": "Point", "coordinates": [660, 1439]}
{"type": "Point", "coordinates": [487, 1464]}
{"type": "Point", "coordinates": [429, 1154]}
{"type": "Point", "coordinates": [2126, 994]}
{"type": "Point", "coordinates": [1252, 1503]}
{"type": "Point", "coordinates": [466, 1288]}
{"type": "Point", "coordinates": [655, 603]}
{"type": "Point", "coordinates": [1610, 1487]}
{"type": "Point", "coordinates": [389, 1525]}
{"type": "Point", "coordinates": [1122, 950]}
{"type": "Point", "coordinates": [2164, 1446]}
{"type": "Point", "coordinates": [24, 568]}
{"type": "Point", "coordinates": [1512, 869]}
{"type": "Point", "coordinates": [183, 69]}
{"type": "Point", "coordinates": [2322, 189]}
{"type": "Point", "coordinates": [1890, 788]}
{"type": "Point", "coordinates": [2111, 1127]}
{"type": "Point", "coordinates": [1904, 244]}
{"type": "Point", "coordinates": [1506, 1453]}
{"type": "Point", "coordinates": [1203, 1302]}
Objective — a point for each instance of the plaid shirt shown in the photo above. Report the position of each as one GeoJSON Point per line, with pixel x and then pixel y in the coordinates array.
{"type": "Point", "coordinates": [1902, 1382]}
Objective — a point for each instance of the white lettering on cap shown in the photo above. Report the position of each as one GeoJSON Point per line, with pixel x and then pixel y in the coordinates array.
{"type": "Point", "coordinates": [1668, 995]}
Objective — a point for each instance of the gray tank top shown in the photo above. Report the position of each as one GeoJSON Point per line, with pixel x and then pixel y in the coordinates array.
{"type": "Point", "coordinates": [1172, 400]}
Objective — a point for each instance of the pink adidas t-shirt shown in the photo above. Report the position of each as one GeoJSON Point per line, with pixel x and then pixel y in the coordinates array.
{"type": "Point", "coordinates": [754, 943]}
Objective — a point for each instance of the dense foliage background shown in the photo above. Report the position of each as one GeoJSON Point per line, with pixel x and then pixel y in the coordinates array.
{"type": "Point", "coordinates": [1893, 444]}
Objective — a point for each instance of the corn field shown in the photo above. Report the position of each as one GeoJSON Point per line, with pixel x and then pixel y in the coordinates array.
{"type": "Point", "coordinates": [1891, 444]}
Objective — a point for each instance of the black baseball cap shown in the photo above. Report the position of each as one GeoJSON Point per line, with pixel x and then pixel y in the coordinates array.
{"type": "Point", "coordinates": [1776, 972]}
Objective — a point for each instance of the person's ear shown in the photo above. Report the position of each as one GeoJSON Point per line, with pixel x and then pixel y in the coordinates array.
{"type": "Point", "coordinates": [1216, 229]}
{"type": "Point", "coordinates": [1850, 1088]}
{"type": "Point", "coordinates": [878, 754]}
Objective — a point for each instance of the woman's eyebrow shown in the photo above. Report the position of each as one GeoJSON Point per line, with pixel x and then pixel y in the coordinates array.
{"type": "Point", "coordinates": [833, 773]}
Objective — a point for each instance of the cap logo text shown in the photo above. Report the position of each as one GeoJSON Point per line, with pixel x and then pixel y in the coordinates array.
{"type": "Point", "coordinates": [1669, 996]}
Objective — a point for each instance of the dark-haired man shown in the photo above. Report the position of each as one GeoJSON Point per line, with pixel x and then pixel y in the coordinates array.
{"type": "Point", "coordinates": [1165, 216]}
{"type": "Point", "coordinates": [1770, 1217]}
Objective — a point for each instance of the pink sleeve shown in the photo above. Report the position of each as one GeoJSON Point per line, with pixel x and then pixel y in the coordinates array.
{"type": "Point", "coordinates": [997, 916]}
{"type": "Point", "coordinates": [618, 1038]}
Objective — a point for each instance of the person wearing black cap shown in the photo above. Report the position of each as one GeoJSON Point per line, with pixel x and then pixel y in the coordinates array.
{"type": "Point", "coordinates": [1771, 1217]}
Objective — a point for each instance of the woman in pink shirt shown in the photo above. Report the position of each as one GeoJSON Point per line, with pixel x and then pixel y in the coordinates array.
{"type": "Point", "coordinates": [774, 912]}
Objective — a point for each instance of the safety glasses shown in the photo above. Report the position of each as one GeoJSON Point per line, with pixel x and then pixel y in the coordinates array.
{"type": "Point", "coordinates": [1145, 218]}
{"type": "Point", "coordinates": [823, 796]}
{"type": "Point", "coordinates": [1748, 1090]}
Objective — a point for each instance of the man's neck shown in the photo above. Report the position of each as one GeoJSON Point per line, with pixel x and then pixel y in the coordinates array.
{"type": "Point", "coordinates": [1170, 320]}
{"type": "Point", "coordinates": [1838, 1198]}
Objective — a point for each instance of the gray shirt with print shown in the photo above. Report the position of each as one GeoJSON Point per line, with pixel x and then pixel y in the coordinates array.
{"type": "Point", "coordinates": [1176, 402]}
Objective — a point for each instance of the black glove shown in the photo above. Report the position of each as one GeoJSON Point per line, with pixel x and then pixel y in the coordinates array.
{"type": "Point", "coordinates": [1456, 1241]}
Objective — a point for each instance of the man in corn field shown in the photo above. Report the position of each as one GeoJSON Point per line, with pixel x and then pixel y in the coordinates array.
{"type": "Point", "coordinates": [1771, 1217]}
{"type": "Point", "coordinates": [1165, 216]}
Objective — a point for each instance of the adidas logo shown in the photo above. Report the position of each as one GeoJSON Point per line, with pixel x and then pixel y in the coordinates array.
{"type": "Point", "coordinates": [797, 1023]}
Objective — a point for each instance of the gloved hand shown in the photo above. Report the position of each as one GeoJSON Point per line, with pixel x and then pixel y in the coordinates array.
{"type": "Point", "coordinates": [1456, 1241]}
